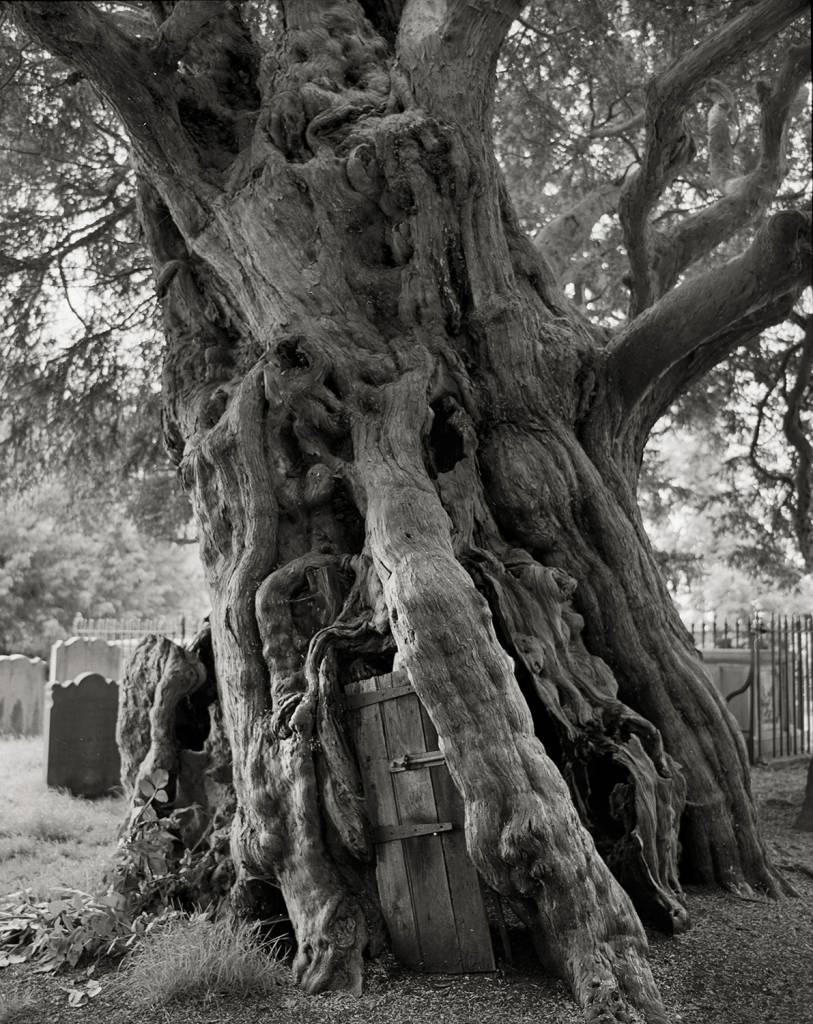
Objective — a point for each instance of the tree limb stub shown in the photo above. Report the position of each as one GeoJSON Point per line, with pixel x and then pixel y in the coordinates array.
{"type": "Point", "coordinates": [175, 677]}
{"type": "Point", "coordinates": [700, 312]}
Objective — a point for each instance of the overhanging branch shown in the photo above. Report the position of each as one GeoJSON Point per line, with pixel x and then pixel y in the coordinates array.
{"type": "Point", "coordinates": [668, 145]}
{"type": "Point", "coordinates": [702, 312]}
{"type": "Point", "coordinates": [745, 196]}
{"type": "Point", "coordinates": [89, 41]}
{"type": "Point", "coordinates": [569, 233]}
{"type": "Point", "coordinates": [124, 72]}
{"type": "Point", "coordinates": [800, 442]}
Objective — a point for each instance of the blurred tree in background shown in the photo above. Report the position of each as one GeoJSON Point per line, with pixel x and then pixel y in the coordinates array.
{"type": "Point", "coordinates": [61, 556]}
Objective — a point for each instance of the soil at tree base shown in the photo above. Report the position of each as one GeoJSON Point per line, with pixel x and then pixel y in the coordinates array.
{"type": "Point", "coordinates": [744, 962]}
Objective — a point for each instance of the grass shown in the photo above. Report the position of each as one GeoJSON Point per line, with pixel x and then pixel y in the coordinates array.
{"type": "Point", "coordinates": [16, 1009]}
{"type": "Point", "coordinates": [745, 959]}
{"type": "Point", "coordinates": [196, 959]}
{"type": "Point", "coordinates": [49, 838]}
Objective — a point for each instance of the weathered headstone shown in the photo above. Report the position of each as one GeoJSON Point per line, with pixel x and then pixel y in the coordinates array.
{"type": "Point", "coordinates": [21, 684]}
{"type": "Point", "coordinates": [70, 658]}
{"type": "Point", "coordinates": [80, 735]}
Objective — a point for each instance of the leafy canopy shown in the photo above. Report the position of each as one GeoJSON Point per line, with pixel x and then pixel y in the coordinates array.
{"type": "Point", "coordinates": [80, 345]}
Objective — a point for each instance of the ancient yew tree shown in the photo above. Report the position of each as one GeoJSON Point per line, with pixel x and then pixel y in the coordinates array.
{"type": "Point", "coordinates": [402, 441]}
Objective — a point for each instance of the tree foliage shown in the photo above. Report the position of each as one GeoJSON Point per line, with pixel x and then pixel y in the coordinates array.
{"type": "Point", "coordinates": [80, 343]}
{"type": "Point", "coordinates": [61, 557]}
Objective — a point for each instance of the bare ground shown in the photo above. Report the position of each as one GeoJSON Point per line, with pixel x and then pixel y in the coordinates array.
{"type": "Point", "coordinates": [744, 962]}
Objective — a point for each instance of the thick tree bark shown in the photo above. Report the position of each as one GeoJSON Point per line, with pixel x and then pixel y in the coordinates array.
{"type": "Point", "coordinates": [398, 436]}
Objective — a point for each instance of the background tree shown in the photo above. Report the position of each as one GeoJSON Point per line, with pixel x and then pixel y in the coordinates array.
{"type": "Point", "coordinates": [61, 556]}
{"type": "Point", "coordinates": [399, 434]}
{"type": "Point", "coordinates": [567, 135]}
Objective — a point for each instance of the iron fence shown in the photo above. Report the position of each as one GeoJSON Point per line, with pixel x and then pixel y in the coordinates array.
{"type": "Point", "coordinates": [778, 686]}
{"type": "Point", "coordinates": [131, 628]}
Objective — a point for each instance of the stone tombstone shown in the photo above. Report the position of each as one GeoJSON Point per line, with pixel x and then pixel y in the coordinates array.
{"type": "Point", "coordinates": [80, 735]}
{"type": "Point", "coordinates": [70, 658]}
{"type": "Point", "coordinates": [22, 681]}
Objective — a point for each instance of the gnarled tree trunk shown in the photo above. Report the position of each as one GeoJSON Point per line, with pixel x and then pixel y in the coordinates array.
{"type": "Point", "coordinates": [399, 436]}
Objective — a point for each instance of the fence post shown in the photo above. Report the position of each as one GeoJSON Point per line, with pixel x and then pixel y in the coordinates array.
{"type": "Point", "coordinates": [751, 693]}
{"type": "Point", "coordinates": [756, 695]}
{"type": "Point", "coordinates": [773, 684]}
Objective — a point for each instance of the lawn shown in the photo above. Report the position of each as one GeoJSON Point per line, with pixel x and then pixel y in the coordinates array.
{"type": "Point", "coordinates": [49, 838]}
{"type": "Point", "coordinates": [745, 961]}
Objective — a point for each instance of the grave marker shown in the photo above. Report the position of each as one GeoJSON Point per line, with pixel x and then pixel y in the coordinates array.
{"type": "Point", "coordinates": [21, 685]}
{"type": "Point", "coordinates": [70, 658]}
{"type": "Point", "coordinates": [80, 735]}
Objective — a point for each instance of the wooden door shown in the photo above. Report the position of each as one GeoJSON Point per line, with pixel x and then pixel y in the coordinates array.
{"type": "Point", "coordinates": [430, 892]}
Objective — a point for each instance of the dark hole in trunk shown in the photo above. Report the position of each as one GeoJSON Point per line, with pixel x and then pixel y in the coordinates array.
{"type": "Point", "coordinates": [290, 356]}
{"type": "Point", "coordinates": [445, 443]}
{"type": "Point", "coordinates": [192, 720]}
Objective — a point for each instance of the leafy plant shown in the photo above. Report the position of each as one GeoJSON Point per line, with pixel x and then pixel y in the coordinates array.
{"type": "Point", "coordinates": [75, 926]}
{"type": "Point", "coordinates": [62, 931]}
{"type": "Point", "coordinates": [145, 842]}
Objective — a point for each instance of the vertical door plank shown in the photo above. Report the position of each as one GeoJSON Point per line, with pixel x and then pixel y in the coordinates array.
{"type": "Point", "coordinates": [473, 935]}
{"type": "Point", "coordinates": [391, 870]}
{"type": "Point", "coordinates": [403, 728]}
{"type": "Point", "coordinates": [430, 892]}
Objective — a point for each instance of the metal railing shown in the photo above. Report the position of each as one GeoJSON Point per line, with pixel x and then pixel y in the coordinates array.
{"type": "Point", "coordinates": [131, 628]}
{"type": "Point", "coordinates": [779, 683]}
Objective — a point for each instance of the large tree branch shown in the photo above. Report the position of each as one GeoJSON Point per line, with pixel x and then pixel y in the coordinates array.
{"type": "Point", "coordinates": [696, 364]}
{"type": "Point", "coordinates": [125, 72]}
{"type": "Point", "coordinates": [569, 233]}
{"type": "Point", "coordinates": [91, 42]}
{"type": "Point", "coordinates": [668, 145]}
{"type": "Point", "coordinates": [448, 51]}
{"type": "Point", "coordinates": [800, 441]}
{"type": "Point", "coordinates": [701, 313]}
{"type": "Point", "coordinates": [746, 196]}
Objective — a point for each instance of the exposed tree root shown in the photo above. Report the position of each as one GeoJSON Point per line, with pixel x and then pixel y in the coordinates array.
{"type": "Point", "coordinates": [629, 793]}
{"type": "Point", "coordinates": [522, 830]}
